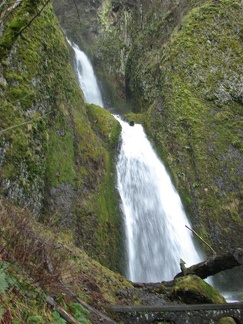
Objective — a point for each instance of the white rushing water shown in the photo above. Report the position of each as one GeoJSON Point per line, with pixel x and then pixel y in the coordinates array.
{"type": "Point", "coordinates": [156, 237]}
{"type": "Point", "coordinates": [86, 77]}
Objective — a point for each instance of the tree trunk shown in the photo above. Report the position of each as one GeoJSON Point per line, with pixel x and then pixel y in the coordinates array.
{"type": "Point", "coordinates": [214, 264]}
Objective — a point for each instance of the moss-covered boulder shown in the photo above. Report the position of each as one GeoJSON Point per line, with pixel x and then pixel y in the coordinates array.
{"type": "Point", "coordinates": [194, 290]}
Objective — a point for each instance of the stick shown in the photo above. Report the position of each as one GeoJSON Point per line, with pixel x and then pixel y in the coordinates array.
{"type": "Point", "coordinates": [214, 253]}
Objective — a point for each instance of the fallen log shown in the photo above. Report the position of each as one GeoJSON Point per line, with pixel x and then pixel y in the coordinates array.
{"type": "Point", "coordinates": [213, 264]}
{"type": "Point", "coordinates": [102, 317]}
{"type": "Point", "coordinates": [64, 314]}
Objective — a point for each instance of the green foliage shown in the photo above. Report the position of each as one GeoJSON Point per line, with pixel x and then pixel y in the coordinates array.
{"type": "Point", "coordinates": [57, 318]}
{"type": "Point", "coordinates": [195, 116]}
{"type": "Point", "coordinates": [1, 311]}
{"type": "Point", "coordinates": [3, 282]}
{"type": "Point", "coordinates": [79, 312]}
{"type": "Point", "coordinates": [35, 319]}
{"type": "Point", "coordinates": [20, 299]}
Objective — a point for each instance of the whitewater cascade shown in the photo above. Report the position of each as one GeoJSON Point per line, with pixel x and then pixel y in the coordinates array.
{"type": "Point", "coordinates": [86, 77]}
{"type": "Point", "coordinates": [156, 237]}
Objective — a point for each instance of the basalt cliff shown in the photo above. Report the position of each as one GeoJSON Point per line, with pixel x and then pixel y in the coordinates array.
{"type": "Point", "coordinates": [177, 65]}
{"type": "Point", "coordinates": [174, 66]}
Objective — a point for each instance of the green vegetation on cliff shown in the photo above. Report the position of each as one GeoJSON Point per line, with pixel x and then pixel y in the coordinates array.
{"type": "Point", "coordinates": [57, 153]}
{"type": "Point", "coordinates": [53, 161]}
{"type": "Point", "coordinates": [196, 119]}
{"type": "Point", "coordinates": [38, 262]}
{"type": "Point", "coordinates": [183, 72]}
{"type": "Point", "coordinates": [57, 163]}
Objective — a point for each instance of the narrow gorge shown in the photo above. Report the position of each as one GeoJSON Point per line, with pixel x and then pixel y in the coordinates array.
{"type": "Point", "coordinates": [154, 219]}
{"type": "Point", "coordinates": [173, 70]}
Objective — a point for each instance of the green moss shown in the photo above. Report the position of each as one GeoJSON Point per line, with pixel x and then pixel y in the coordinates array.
{"type": "Point", "coordinates": [192, 289]}
{"type": "Point", "coordinates": [60, 157]}
{"type": "Point", "coordinates": [98, 214]}
{"type": "Point", "coordinates": [21, 94]}
{"type": "Point", "coordinates": [197, 120]}
{"type": "Point", "coordinates": [104, 14]}
{"type": "Point", "coordinates": [15, 22]}
{"type": "Point", "coordinates": [104, 125]}
{"type": "Point", "coordinates": [137, 118]}
{"type": "Point", "coordinates": [18, 23]}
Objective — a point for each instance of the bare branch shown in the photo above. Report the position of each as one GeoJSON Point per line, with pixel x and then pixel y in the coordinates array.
{"type": "Point", "coordinates": [30, 22]}
{"type": "Point", "coordinates": [194, 232]}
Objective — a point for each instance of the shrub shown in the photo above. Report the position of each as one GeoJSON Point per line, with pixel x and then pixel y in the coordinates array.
{"type": "Point", "coordinates": [22, 241]}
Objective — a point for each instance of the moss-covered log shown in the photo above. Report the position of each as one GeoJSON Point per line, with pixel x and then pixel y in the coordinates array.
{"type": "Point", "coordinates": [214, 264]}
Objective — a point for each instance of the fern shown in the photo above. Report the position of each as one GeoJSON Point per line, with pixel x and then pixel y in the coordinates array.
{"type": "Point", "coordinates": [3, 282]}
{"type": "Point", "coordinates": [80, 312]}
{"type": "Point", "coordinates": [2, 310]}
{"type": "Point", "coordinates": [57, 318]}
{"type": "Point", "coordinates": [35, 319]}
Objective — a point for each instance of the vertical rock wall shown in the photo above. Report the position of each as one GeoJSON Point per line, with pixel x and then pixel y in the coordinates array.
{"type": "Point", "coordinates": [178, 63]}
{"type": "Point", "coordinates": [52, 160]}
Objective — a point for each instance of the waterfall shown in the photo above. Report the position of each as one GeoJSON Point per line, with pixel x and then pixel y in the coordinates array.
{"type": "Point", "coordinates": [86, 77]}
{"type": "Point", "coordinates": [156, 237]}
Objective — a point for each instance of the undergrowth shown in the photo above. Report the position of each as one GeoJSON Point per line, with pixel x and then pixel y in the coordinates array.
{"type": "Point", "coordinates": [32, 263]}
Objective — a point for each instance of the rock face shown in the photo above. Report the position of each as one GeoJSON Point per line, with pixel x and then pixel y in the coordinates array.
{"type": "Point", "coordinates": [188, 119]}
{"type": "Point", "coordinates": [178, 64]}
{"type": "Point", "coordinates": [79, 19]}
{"type": "Point", "coordinates": [52, 159]}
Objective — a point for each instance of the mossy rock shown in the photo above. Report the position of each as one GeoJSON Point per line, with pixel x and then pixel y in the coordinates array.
{"type": "Point", "coordinates": [226, 320]}
{"type": "Point", "coordinates": [134, 118]}
{"type": "Point", "coordinates": [194, 290]}
{"type": "Point", "coordinates": [104, 125]}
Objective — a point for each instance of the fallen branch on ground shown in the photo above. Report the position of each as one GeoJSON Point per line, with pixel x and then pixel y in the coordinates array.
{"type": "Point", "coordinates": [50, 301]}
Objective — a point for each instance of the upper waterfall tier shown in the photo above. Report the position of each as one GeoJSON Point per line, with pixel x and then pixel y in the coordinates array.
{"type": "Point", "coordinates": [86, 77]}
